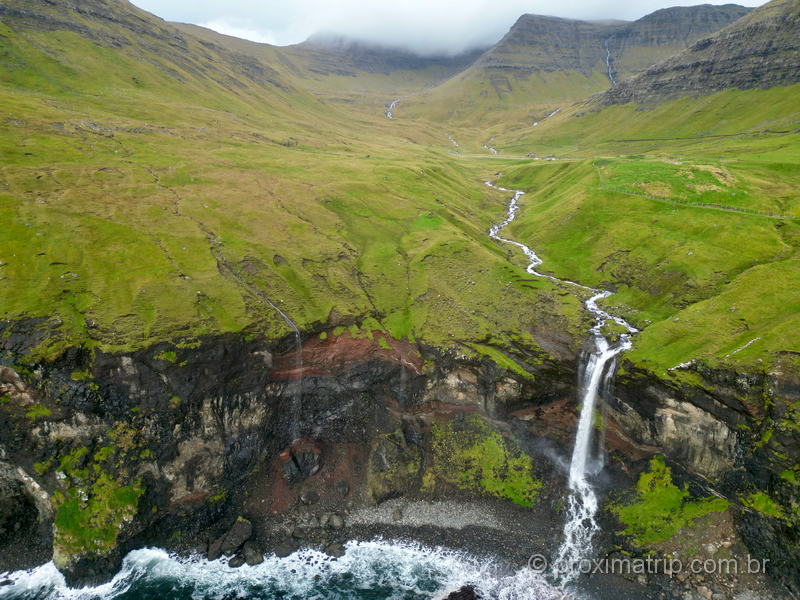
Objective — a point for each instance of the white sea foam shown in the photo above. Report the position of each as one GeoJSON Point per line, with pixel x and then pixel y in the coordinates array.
{"type": "Point", "coordinates": [377, 569]}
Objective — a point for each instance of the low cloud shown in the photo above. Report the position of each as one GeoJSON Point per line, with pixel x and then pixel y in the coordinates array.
{"type": "Point", "coordinates": [423, 26]}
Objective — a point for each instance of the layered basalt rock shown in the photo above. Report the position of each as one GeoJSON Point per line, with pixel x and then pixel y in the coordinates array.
{"type": "Point", "coordinates": [169, 438]}
{"type": "Point", "coordinates": [760, 50]}
{"type": "Point", "coordinates": [183, 439]}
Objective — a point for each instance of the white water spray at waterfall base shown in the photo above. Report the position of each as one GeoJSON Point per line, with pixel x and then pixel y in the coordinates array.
{"type": "Point", "coordinates": [580, 527]}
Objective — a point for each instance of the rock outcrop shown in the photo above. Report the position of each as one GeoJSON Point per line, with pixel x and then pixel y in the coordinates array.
{"type": "Point", "coordinates": [185, 444]}
{"type": "Point", "coordinates": [167, 439]}
{"type": "Point", "coordinates": [599, 51]}
{"type": "Point", "coordinates": [761, 50]}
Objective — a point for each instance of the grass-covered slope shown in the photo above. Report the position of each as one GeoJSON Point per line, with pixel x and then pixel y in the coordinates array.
{"type": "Point", "coordinates": [161, 185]}
{"type": "Point", "coordinates": [688, 209]}
{"type": "Point", "coordinates": [156, 187]}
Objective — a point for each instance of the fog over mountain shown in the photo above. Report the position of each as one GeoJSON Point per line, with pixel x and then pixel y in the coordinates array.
{"type": "Point", "coordinates": [423, 26]}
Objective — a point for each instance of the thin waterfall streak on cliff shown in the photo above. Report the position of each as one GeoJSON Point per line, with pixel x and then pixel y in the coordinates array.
{"type": "Point", "coordinates": [297, 393]}
{"type": "Point", "coordinates": [595, 377]}
{"type": "Point", "coordinates": [609, 63]}
{"type": "Point", "coordinates": [297, 396]}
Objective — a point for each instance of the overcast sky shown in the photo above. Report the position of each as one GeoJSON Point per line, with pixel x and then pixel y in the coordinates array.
{"type": "Point", "coordinates": [426, 26]}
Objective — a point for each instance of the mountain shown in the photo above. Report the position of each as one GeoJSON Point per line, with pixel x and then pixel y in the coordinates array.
{"type": "Point", "coordinates": [352, 75]}
{"type": "Point", "coordinates": [665, 32]}
{"type": "Point", "coordinates": [332, 53]}
{"type": "Point", "coordinates": [553, 60]}
{"type": "Point", "coordinates": [136, 35]}
{"type": "Point", "coordinates": [758, 51]}
{"type": "Point", "coordinates": [237, 301]}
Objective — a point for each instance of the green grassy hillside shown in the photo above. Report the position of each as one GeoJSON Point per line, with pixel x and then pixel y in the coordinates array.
{"type": "Point", "coordinates": [694, 221]}
{"type": "Point", "coordinates": [157, 185]}
{"type": "Point", "coordinates": [140, 205]}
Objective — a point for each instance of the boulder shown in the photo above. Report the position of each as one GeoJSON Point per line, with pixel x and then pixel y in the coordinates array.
{"type": "Point", "coordinates": [237, 535]}
{"type": "Point", "coordinates": [309, 497]}
{"type": "Point", "coordinates": [301, 460]}
{"type": "Point", "coordinates": [236, 562]}
{"type": "Point", "coordinates": [231, 541]}
{"type": "Point", "coordinates": [285, 548]}
{"type": "Point", "coordinates": [466, 592]}
{"type": "Point", "coordinates": [252, 554]}
{"type": "Point", "coordinates": [335, 522]}
{"type": "Point", "coordinates": [336, 550]}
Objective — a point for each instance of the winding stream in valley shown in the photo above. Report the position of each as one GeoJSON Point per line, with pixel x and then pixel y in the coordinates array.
{"type": "Point", "coordinates": [596, 376]}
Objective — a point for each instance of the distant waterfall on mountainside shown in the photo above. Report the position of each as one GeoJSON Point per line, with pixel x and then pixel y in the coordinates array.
{"type": "Point", "coordinates": [596, 376]}
{"type": "Point", "coordinates": [610, 65]}
{"type": "Point", "coordinates": [390, 108]}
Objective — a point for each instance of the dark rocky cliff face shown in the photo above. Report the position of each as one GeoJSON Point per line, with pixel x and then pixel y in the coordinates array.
{"type": "Point", "coordinates": [640, 44]}
{"type": "Point", "coordinates": [169, 444]}
{"type": "Point", "coordinates": [165, 439]}
{"type": "Point", "coordinates": [737, 432]}
{"type": "Point", "coordinates": [759, 51]}
{"type": "Point", "coordinates": [554, 44]}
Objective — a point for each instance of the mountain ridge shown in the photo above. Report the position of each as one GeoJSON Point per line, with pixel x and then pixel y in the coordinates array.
{"type": "Point", "coordinates": [552, 60]}
{"type": "Point", "coordinates": [759, 50]}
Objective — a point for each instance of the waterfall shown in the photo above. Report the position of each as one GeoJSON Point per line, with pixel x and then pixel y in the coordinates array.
{"type": "Point", "coordinates": [297, 395]}
{"type": "Point", "coordinates": [580, 527]}
{"type": "Point", "coordinates": [388, 111]}
{"type": "Point", "coordinates": [595, 377]}
{"type": "Point", "coordinates": [610, 65]}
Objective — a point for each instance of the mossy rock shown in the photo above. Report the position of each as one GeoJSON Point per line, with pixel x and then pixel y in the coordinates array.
{"type": "Point", "coordinates": [471, 456]}
{"type": "Point", "coordinates": [99, 496]}
{"type": "Point", "coordinates": [660, 509]}
{"type": "Point", "coordinates": [394, 467]}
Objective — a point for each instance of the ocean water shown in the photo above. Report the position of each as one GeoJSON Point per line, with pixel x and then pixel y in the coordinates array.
{"type": "Point", "coordinates": [375, 570]}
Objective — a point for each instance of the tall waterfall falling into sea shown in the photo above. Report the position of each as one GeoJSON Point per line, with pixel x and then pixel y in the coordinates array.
{"type": "Point", "coordinates": [580, 527]}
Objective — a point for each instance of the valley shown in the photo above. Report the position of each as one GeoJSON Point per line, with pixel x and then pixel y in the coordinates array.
{"type": "Point", "coordinates": [250, 283]}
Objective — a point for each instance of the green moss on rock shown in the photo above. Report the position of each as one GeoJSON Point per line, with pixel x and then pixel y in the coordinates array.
{"type": "Point", "coordinates": [661, 509]}
{"type": "Point", "coordinates": [472, 456]}
{"type": "Point", "coordinates": [99, 494]}
{"type": "Point", "coordinates": [761, 502]}
{"type": "Point", "coordinates": [89, 518]}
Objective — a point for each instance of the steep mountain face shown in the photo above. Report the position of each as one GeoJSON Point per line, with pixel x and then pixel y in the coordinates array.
{"type": "Point", "coordinates": [336, 68]}
{"type": "Point", "coordinates": [552, 44]}
{"type": "Point", "coordinates": [120, 26]}
{"type": "Point", "coordinates": [551, 60]}
{"type": "Point", "coordinates": [538, 43]}
{"type": "Point", "coordinates": [759, 51]}
{"type": "Point", "coordinates": [640, 44]}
